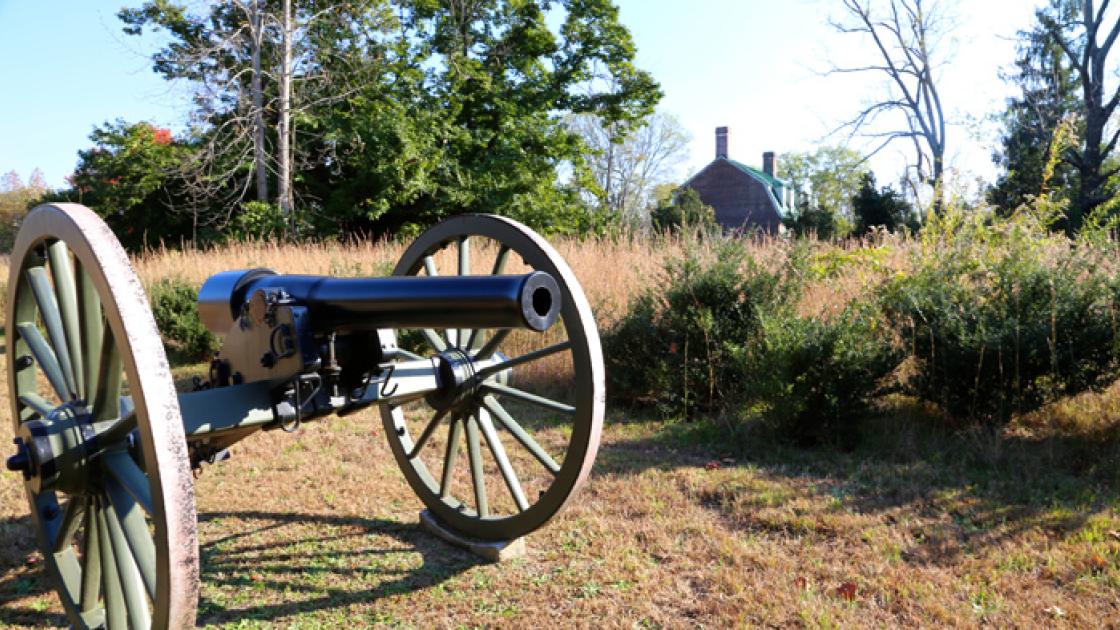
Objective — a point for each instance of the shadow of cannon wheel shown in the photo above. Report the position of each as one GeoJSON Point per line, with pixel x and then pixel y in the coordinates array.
{"type": "Point", "coordinates": [272, 566]}
{"type": "Point", "coordinates": [276, 565]}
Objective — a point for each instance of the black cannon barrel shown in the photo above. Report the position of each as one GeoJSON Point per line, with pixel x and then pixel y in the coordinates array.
{"type": "Point", "coordinates": [518, 301]}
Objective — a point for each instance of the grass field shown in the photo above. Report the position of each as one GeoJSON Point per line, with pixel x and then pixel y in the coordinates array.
{"type": "Point", "coordinates": [920, 526]}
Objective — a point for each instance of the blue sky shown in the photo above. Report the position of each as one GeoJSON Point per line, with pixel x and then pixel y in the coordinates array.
{"type": "Point", "coordinates": [752, 65]}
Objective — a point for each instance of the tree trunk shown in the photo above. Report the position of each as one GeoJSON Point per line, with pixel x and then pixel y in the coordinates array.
{"type": "Point", "coordinates": [284, 134]}
{"type": "Point", "coordinates": [259, 158]}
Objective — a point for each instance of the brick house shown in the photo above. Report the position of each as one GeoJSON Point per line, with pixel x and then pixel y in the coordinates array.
{"type": "Point", "coordinates": [744, 198]}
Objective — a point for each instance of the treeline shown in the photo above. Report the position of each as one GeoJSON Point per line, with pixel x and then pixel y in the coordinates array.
{"type": "Point", "coordinates": [322, 119]}
{"type": "Point", "coordinates": [317, 118]}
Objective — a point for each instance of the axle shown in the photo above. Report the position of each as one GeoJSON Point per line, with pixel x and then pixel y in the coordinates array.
{"type": "Point", "coordinates": [346, 304]}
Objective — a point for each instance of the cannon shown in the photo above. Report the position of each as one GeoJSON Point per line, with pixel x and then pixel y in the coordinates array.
{"type": "Point", "coordinates": [481, 344]}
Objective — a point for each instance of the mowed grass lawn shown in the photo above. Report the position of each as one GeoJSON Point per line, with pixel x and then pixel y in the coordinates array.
{"type": "Point", "coordinates": [920, 526]}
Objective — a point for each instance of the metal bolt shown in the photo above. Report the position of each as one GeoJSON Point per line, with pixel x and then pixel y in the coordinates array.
{"type": "Point", "coordinates": [19, 462]}
{"type": "Point", "coordinates": [24, 362]}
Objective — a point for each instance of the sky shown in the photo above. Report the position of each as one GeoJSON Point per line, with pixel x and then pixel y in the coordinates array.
{"type": "Point", "coordinates": [755, 66]}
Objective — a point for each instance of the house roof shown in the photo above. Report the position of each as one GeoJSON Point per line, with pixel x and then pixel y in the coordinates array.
{"type": "Point", "coordinates": [772, 184]}
{"type": "Point", "coordinates": [750, 170]}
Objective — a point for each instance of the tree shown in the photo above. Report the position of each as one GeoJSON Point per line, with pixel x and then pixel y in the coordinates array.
{"type": "Point", "coordinates": [906, 38]}
{"type": "Point", "coordinates": [812, 220]}
{"type": "Point", "coordinates": [626, 169]}
{"type": "Point", "coordinates": [880, 208]}
{"type": "Point", "coordinates": [470, 115]}
{"type": "Point", "coordinates": [36, 182]}
{"type": "Point", "coordinates": [403, 111]}
{"type": "Point", "coordinates": [129, 177]}
{"type": "Point", "coordinates": [824, 182]}
{"type": "Point", "coordinates": [1087, 38]}
{"type": "Point", "coordinates": [1048, 94]}
{"type": "Point", "coordinates": [15, 200]}
{"type": "Point", "coordinates": [258, 67]}
{"type": "Point", "coordinates": [682, 210]}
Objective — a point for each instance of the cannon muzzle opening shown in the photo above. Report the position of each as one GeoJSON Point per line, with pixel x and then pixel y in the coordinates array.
{"type": "Point", "coordinates": [530, 301]}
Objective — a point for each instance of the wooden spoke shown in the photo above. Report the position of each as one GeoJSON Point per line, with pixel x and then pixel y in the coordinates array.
{"type": "Point", "coordinates": [45, 357]}
{"type": "Point", "coordinates": [131, 582]}
{"type": "Point", "coordinates": [434, 340]}
{"type": "Point", "coordinates": [515, 429]}
{"type": "Point", "coordinates": [478, 479]}
{"type": "Point", "coordinates": [473, 339]}
{"type": "Point", "coordinates": [428, 430]}
{"type": "Point", "coordinates": [91, 562]}
{"type": "Point", "coordinates": [412, 356]}
{"type": "Point", "coordinates": [62, 272]}
{"type": "Point", "coordinates": [454, 433]}
{"type": "Point", "coordinates": [500, 261]}
{"type": "Point", "coordinates": [92, 325]}
{"type": "Point", "coordinates": [463, 334]}
{"type": "Point", "coordinates": [120, 428]}
{"type": "Point", "coordinates": [491, 346]}
{"type": "Point", "coordinates": [526, 397]}
{"type": "Point", "coordinates": [116, 616]}
{"type": "Point", "coordinates": [72, 516]}
{"type": "Point", "coordinates": [122, 468]}
{"type": "Point", "coordinates": [134, 532]}
{"type": "Point", "coordinates": [107, 397]}
{"type": "Point", "coordinates": [525, 358]}
{"type": "Point", "coordinates": [499, 452]}
{"type": "Point", "coordinates": [38, 403]}
{"type": "Point", "coordinates": [52, 320]}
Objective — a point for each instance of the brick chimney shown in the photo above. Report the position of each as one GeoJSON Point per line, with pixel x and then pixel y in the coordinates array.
{"type": "Point", "coordinates": [768, 163]}
{"type": "Point", "coordinates": [721, 143]}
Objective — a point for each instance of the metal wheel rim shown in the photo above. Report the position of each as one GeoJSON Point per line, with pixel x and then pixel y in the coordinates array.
{"type": "Point", "coordinates": [586, 422]}
{"type": "Point", "coordinates": [95, 250]}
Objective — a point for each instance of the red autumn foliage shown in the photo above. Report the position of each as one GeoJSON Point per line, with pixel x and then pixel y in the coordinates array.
{"type": "Point", "coordinates": [847, 590]}
{"type": "Point", "coordinates": [1097, 564]}
{"type": "Point", "coordinates": [161, 136]}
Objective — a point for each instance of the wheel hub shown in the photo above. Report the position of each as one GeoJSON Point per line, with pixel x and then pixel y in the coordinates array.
{"type": "Point", "coordinates": [457, 374]}
{"type": "Point", "coordinates": [52, 452]}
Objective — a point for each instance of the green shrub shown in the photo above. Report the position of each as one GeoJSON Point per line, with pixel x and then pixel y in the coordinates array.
{"type": "Point", "coordinates": [812, 379]}
{"type": "Point", "coordinates": [175, 306]}
{"type": "Point", "coordinates": [257, 220]}
{"type": "Point", "coordinates": [1002, 317]}
{"type": "Point", "coordinates": [679, 345]}
{"type": "Point", "coordinates": [682, 211]}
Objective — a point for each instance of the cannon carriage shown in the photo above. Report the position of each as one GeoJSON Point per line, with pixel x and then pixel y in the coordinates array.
{"type": "Point", "coordinates": [449, 348]}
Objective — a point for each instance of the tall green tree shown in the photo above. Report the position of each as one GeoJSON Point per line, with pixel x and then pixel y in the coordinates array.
{"type": "Point", "coordinates": [504, 74]}
{"type": "Point", "coordinates": [880, 208]}
{"type": "Point", "coordinates": [1087, 33]}
{"type": "Point", "coordinates": [824, 182]}
{"type": "Point", "coordinates": [1049, 93]}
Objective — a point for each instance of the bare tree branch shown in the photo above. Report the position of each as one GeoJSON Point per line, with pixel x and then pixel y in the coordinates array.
{"type": "Point", "coordinates": [903, 37]}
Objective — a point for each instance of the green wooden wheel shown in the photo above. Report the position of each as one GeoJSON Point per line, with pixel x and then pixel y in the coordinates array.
{"type": "Point", "coordinates": [529, 427]}
{"type": "Point", "coordinates": [99, 437]}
